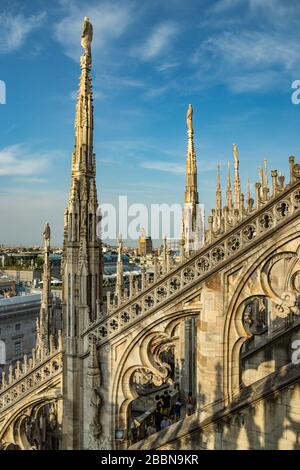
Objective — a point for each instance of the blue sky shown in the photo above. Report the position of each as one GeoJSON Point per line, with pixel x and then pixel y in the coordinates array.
{"type": "Point", "coordinates": [234, 60]}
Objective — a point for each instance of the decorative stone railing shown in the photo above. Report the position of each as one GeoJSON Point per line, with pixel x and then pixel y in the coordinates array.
{"type": "Point", "coordinates": [33, 373]}
{"type": "Point", "coordinates": [276, 211]}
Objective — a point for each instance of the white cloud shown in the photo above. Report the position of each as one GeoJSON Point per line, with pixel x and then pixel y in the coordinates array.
{"type": "Point", "coordinates": [158, 42]}
{"type": "Point", "coordinates": [109, 21]}
{"type": "Point", "coordinates": [276, 14]}
{"type": "Point", "coordinates": [170, 167]}
{"type": "Point", "coordinates": [251, 49]}
{"type": "Point", "coordinates": [156, 92]}
{"type": "Point", "coordinates": [251, 45]}
{"type": "Point", "coordinates": [19, 160]}
{"type": "Point", "coordinates": [167, 66]}
{"type": "Point", "coordinates": [15, 28]}
{"type": "Point", "coordinates": [249, 60]}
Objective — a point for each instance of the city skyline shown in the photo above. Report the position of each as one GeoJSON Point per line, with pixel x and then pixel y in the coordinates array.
{"type": "Point", "coordinates": [237, 74]}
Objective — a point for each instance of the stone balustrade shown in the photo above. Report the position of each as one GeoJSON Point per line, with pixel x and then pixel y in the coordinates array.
{"type": "Point", "coordinates": [30, 374]}
{"type": "Point", "coordinates": [220, 248]}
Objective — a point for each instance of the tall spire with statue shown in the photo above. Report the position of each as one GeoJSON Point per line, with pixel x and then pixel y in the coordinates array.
{"type": "Point", "coordinates": [119, 274]}
{"type": "Point", "coordinates": [44, 320]}
{"type": "Point", "coordinates": [236, 180]}
{"type": "Point", "coordinates": [193, 212]}
{"type": "Point", "coordinates": [82, 259]}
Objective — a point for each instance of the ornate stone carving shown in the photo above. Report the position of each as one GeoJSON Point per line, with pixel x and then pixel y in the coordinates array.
{"type": "Point", "coordinates": [255, 316]}
{"type": "Point", "coordinates": [94, 382]}
{"type": "Point", "coordinates": [287, 304]}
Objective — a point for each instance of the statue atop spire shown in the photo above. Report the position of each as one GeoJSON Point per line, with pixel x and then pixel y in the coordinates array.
{"type": "Point", "coordinates": [119, 274]}
{"type": "Point", "coordinates": [47, 235]}
{"type": "Point", "coordinates": [87, 36]}
{"type": "Point", "coordinates": [82, 254]}
{"type": "Point", "coordinates": [193, 213]}
{"type": "Point", "coordinates": [218, 191]}
{"type": "Point", "coordinates": [235, 156]}
{"type": "Point", "coordinates": [237, 196]}
{"type": "Point", "coordinates": [45, 317]}
{"type": "Point", "coordinates": [189, 118]}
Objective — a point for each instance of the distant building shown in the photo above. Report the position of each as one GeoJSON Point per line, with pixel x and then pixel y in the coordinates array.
{"type": "Point", "coordinates": [18, 327]}
{"type": "Point", "coordinates": [7, 286]}
{"type": "Point", "coordinates": [145, 244]}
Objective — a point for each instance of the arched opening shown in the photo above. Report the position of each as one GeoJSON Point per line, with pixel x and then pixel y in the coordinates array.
{"type": "Point", "coordinates": [142, 383]}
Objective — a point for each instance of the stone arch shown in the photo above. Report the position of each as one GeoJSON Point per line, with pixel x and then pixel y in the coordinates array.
{"type": "Point", "coordinates": [235, 334]}
{"type": "Point", "coordinates": [162, 326]}
{"type": "Point", "coordinates": [13, 429]}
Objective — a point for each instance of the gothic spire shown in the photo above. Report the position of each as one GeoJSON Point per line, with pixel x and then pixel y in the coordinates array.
{"type": "Point", "coordinates": [236, 181]}
{"type": "Point", "coordinates": [218, 191]}
{"type": "Point", "coordinates": [191, 193]}
{"type": "Point", "coordinates": [182, 240]}
{"type": "Point", "coordinates": [81, 217]}
{"type": "Point", "coordinates": [46, 299]}
{"type": "Point", "coordinates": [228, 190]}
{"type": "Point", "coordinates": [82, 257]}
{"type": "Point", "coordinates": [43, 323]}
{"type": "Point", "coordinates": [119, 276]}
{"type": "Point", "coordinates": [193, 211]}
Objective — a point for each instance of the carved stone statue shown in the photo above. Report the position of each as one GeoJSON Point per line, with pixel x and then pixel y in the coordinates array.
{"type": "Point", "coordinates": [47, 234]}
{"type": "Point", "coordinates": [255, 316]}
{"type": "Point", "coordinates": [235, 154]}
{"type": "Point", "coordinates": [189, 118]}
{"type": "Point", "coordinates": [96, 403]}
{"type": "Point", "coordinates": [87, 36]}
{"type": "Point", "coordinates": [52, 416]}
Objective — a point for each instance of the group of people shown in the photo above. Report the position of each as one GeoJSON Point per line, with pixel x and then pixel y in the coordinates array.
{"type": "Point", "coordinates": [165, 413]}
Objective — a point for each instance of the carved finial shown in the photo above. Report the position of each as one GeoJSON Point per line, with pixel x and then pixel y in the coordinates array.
{"type": "Point", "coordinates": [228, 190]}
{"type": "Point", "coordinates": [25, 364]}
{"type": "Point", "coordinates": [228, 177]}
{"type": "Point", "coordinates": [119, 275]}
{"type": "Point", "coordinates": [10, 374]}
{"type": "Point", "coordinates": [235, 155]}
{"type": "Point", "coordinates": [218, 177]}
{"type": "Point", "coordinates": [249, 199]}
{"type": "Point", "coordinates": [182, 240]}
{"type": "Point", "coordinates": [236, 181]}
{"type": "Point", "coordinates": [218, 191]}
{"type": "Point", "coordinates": [248, 188]}
{"type": "Point", "coordinates": [189, 118]}
{"type": "Point", "coordinates": [3, 383]}
{"type": "Point", "coordinates": [266, 182]}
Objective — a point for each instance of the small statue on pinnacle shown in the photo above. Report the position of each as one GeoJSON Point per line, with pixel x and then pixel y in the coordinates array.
{"type": "Point", "coordinates": [189, 118]}
{"type": "Point", "coordinates": [47, 235]}
{"type": "Point", "coordinates": [87, 36]}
